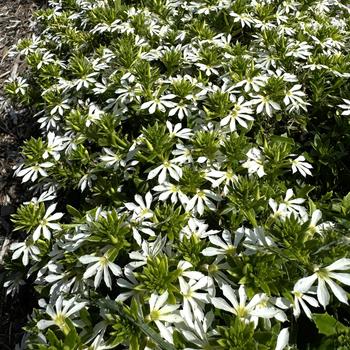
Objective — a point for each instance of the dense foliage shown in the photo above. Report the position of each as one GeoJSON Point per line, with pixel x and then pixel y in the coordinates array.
{"type": "Point", "coordinates": [191, 175]}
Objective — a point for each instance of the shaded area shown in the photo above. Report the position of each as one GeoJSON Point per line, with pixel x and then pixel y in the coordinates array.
{"type": "Point", "coordinates": [15, 126]}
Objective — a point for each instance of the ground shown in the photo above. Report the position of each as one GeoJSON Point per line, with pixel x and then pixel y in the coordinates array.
{"type": "Point", "coordinates": [15, 127]}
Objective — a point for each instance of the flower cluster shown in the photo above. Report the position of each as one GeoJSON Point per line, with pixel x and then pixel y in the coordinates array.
{"type": "Point", "coordinates": [196, 151]}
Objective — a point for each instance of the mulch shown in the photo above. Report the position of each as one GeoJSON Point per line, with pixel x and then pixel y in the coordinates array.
{"type": "Point", "coordinates": [15, 126]}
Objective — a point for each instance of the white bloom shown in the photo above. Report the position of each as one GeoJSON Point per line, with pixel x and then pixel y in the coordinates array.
{"type": "Point", "coordinates": [216, 272]}
{"type": "Point", "coordinates": [239, 308]}
{"type": "Point", "coordinates": [161, 312]}
{"type": "Point", "coordinates": [177, 131]}
{"type": "Point", "coordinates": [224, 246]}
{"type": "Point", "coordinates": [294, 95]}
{"type": "Point", "coordinates": [174, 171]}
{"type": "Point", "coordinates": [58, 317]}
{"type": "Point", "coordinates": [256, 239]}
{"type": "Point", "coordinates": [159, 104]}
{"type": "Point", "coordinates": [193, 301]}
{"type": "Point", "coordinates": [111, 159]}
{"type": "Point", "coordinates": [197, 228]}
{"type": "Point", "coordinates": [46, 223]}
{"type": "Point", "coordinates": [301, 300]}
{"type": "Point", "coordinates": [240, 113]}
{"type": "Point", "coordinates": [255, 162]}
{"type": "Point", "coordinates": [293, 205]}
{"type": "Point", "coordinates": [55, 144]}
{"type": "Point", "coordinates": [99, 266]}
{"type": "Point", "coordinates": [129, 283]}
{"type": "Point", "coordinates": [26, 248]}
{"type": "Point", "coordinates": [217, 177]}
{"type": "Point", "coordinates": [33, 171]}
{"type": "Point", "coordinates": [198, 331]}
{"type": "Point", "coordinates": [265, 104]}
{"type": "Point", "coordinates": [183, 153]}
{"type": "Point", "coordinates": [325, 276]}
{"type": "Point", "coordinates": [60, 107]}
{"type": "Point", "coordinates": [167, 190]}
{"type": "Point", "coordinates": [142, 209]}
{"type": "Point", "coordinates": [255, 83]}
{"type": "Point", "coordinates": [201, 199]}
{"type": "Point", "coordinates": [299, 164]}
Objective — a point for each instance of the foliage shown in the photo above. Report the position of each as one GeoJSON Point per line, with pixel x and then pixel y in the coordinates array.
{"type": "Point", "coordinates": [191, 181]}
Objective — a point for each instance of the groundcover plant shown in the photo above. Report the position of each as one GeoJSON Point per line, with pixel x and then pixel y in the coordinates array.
{"type": "Point", "coordinates": [190, 179]}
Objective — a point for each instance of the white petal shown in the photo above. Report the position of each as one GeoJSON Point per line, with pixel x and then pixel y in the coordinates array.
{"type": "Point", "coordinates": [338, 291]}
{"type": "Point", "coordinates": [36, 233]}
{"type": "Point", "coordinates": [42, 324]}
{"type": "Point", "coordinates": [230, 295]}
{"type": "Point", "coordinates": [153, 173]}
{"type": "Point", "coordinates": [341, 277]}
{"type": "Point", "coordinates": [116, 270]}
{"type": "Point", "coordinates": [161, 300]}
{"type": "Point", "coordinates": [50, 210]}
{"type": "Point", "coordinates": [90, 271]}
{"type": "Point", "coordinates": [222, 304]}
{"type": "Point", "coordinates": [322, 293]}
{"type": "Point", "coordinates": [282, 339]}
{"type": "Point", "coordinates": [341, 264]}
{"type": "Point", "coordinates": [304, 284]}
{"type": "Point", "coordinates": [87, 259]}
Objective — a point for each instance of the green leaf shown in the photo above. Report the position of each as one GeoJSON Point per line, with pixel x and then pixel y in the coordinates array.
{"type": "Point", "coordinates": [328, 325]}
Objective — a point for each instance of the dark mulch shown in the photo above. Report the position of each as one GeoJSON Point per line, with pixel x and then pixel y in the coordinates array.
{"type": "Point", "coordinates": [15, 126]}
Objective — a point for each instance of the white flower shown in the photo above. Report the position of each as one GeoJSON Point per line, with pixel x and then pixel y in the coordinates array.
{"type": "Point", "coordinates": [58, 317]}
{"type": "Point", "coordinates": [99, 266]}
{"type": "Point", "coordinates": [198, 331]}
{"type": "Point", "coordinates": [293, 205]}
{"type": "Point", "coordinates": [279, 210]}
{"type": "Point", "coordinates": [142, 209]}
{"type": "Point", "coordinates": [225, 246]}
{"type": "Point", "coordinates": [197, 228]}
{"type": "Point", "coordinates": [256, 239]}
{"type": "Point", "coordinates": [325, 276]}
{"type": "Point", "coordinates": [111, 159]}
{"type": "Point", "coordinates": [33, 171]}
{"type": "Point", "coordinates": [239, 308]}
{"type": "Point", "coordinates": [299, 164]}
{"type": "Point", "coordinates": [161, 312]}
{"type": "Point", "coordinates": [167, 190]}
{"type": "Point", "coordinates": [183, 153]}
{"type": "Point", "coordinates": [174, 171]}
{"type": "Point", "coordinates": [159, 104]}
{"type": "Point", "coordinates": [60, 107]}
{"type": "Point", "coordinates": [27, 249]}
{"type": "Point", "coordinates": [193, 301]}
{"type": "Point", "coordinates": [294, 96]}
{"type": "Point", "coordinates": [265, 104]}
{"type": "Point", "coordinates": [255, 83]}
{"type": "Point", "coordinates": [177, 131]}
{"type": "Point", "coordinates": [345, 107]}
{"type": "Point", "coordinates": [201, 199]}
{"type": "Point", "coordinates": [217, 177]}
{"type": "Point", "coordinates": [240, 113]}
{"type": "Point", "coordinates": [55, 144]}
{"type": "Point", "coordinates": [300, 300]}
{"type": "Point", "coordinates": [216, 272]}
{"type": "Point", "coordinates": [46, 223]}
{"type": "Point", "coordinates": [255, 162]}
